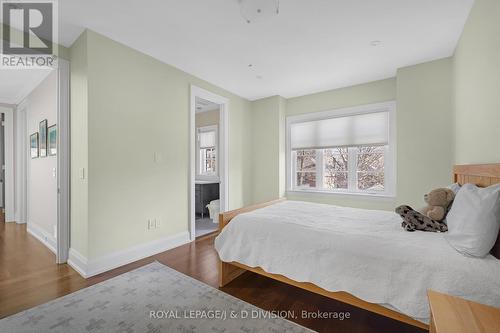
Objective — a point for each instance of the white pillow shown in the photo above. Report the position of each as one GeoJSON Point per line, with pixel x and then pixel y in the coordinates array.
{"type": "Point", "coordinates": [474, 220]}
{"type": "Point", "coordinates": [455, 187]}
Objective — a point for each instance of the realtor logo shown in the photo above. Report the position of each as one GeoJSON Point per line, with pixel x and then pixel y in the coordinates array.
{"type": "Point", "coordinates": [29, 33]}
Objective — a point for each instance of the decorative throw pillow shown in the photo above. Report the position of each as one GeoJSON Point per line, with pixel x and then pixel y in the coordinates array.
{"type": "Point", "coordinates": [474, 220]}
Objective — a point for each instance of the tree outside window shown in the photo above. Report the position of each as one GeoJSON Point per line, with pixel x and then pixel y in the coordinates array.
{"type": "Point", "coordinates": [356, 169]}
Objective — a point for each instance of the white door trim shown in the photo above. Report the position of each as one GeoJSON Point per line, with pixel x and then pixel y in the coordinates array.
{"type": "Point", "coordinates": [22, 158]}
{"type": "Point", "coordinates": [63, 162]}
{"type": "Point", "coordinates": [223, 154]}
{"type": "Point", "coordinates": [9, 165]}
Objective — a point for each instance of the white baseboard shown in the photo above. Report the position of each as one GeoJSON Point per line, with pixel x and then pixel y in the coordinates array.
{"type": "Point", "coordinates": [78, 262]}
{"type": "Point", "coordinates": [46, 238]}
{"type": "Point", "coordinates": [88, 268]}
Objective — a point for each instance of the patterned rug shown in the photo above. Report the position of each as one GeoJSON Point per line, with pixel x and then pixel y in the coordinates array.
{"type": "Point", "coordinates": [151, 299]}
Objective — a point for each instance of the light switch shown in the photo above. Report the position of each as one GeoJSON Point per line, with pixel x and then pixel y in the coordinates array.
{"type": "Point", "coordinates": [54, 174]}
{"type": "Point", "coordinates": [82, 173]}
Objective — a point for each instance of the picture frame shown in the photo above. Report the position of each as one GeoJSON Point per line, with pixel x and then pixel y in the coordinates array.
{"type": "Point", "coordinates": [52, 140]}
{"type": "Point", "coordinates": [42, 145]}
{"type": "Point", "coordinates": [34, 145]}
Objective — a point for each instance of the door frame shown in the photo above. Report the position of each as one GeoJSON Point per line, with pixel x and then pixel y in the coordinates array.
{"type": "Point", "coordinates": [223, 152]}
{"type": "Point", "coordinates": [63, 161]}
{"type": "Point", "coordinates": [22, 155]}
{"type": "Point", "coordinates": [9, 163]}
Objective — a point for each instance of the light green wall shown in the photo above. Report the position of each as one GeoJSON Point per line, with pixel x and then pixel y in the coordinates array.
{"type": "Point", "coordinates": [79, 145]}
{"type": "Point", "coordinates": [424, 134]}
{"type": "Point", "coordinates": [368, 93]}
{"type": "Point", "coordinates": [373, 92]}
{"type": "Point", "coordinates": [424, 130]}
{"type": "Point", "coordinates": [268, 148]}
{"type": "Point", "coordinates": [138, 106]}
{"type": "Point", "coordinates": [477, 83]}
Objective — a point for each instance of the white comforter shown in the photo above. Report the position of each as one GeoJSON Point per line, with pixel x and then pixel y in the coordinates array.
{"type": "Point", "coordinates": [363, 252]}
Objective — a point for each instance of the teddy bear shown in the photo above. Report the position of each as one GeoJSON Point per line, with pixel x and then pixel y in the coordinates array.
{"type": "Point", "coordinates": [429, 218]}
{"type": "Point", "coordinates": [438, 201]}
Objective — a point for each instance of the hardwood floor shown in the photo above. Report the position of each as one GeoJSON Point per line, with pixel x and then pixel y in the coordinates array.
{"type": "Point", "coordinates": [29, 277]}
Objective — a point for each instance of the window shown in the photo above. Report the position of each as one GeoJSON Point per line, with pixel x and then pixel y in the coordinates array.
{"type": "Point", "coordinates": [207, 151]}
{"type": "Point", "coordinates": [344, 151]}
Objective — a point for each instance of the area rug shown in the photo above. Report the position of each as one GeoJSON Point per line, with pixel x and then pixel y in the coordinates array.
{"type": "Point", "coordinates": [150, 299]}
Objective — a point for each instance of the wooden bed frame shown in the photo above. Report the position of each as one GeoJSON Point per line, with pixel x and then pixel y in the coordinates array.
{"type": "Point", "coordinates": [480, 174]}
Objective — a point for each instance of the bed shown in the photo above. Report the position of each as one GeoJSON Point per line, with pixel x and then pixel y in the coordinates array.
{"type": "Point", "coordinates": [362, 257]}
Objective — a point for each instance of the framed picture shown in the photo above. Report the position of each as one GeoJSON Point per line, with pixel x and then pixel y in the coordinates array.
{"type": "Point", "coordinates": [52, 140]}
{"type": "Point", "coordinates": [43, 138]}
{"type": "Point", "coordinates": [34, 145]}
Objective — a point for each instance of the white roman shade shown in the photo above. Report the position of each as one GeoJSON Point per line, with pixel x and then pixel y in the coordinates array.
{"type": "Point", "coordinates": [207, 139]}
{"type": "Point", "coordinates": [346, 131]}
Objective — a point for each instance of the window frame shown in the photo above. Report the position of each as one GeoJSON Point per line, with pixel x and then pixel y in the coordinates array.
{"type": "Point", "coordinates": [207, 176]}
{"type": "Point", "coordinates": [389, 156]}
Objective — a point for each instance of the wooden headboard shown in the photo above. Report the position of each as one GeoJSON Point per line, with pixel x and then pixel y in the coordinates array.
{"type": "Point", "coordinates": [482, 175]}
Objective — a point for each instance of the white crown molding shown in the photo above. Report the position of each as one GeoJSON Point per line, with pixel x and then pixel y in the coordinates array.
{"type": "Point", "coordinates": [44, 237]}
{"type": "Point", "coordinates": [88, 268]}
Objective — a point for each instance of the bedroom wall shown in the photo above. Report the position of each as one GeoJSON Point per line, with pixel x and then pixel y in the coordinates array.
{"type": "Point", "coordinates": [42, 180]}
{"type": "Point", "coordinates": [476, 68]}
{"type": "Point", "coordinates": [79, 147]}
{"type": "Point", "coordinates": [424, 130]}
{"type": "Point", "coordinates": [268, 148]}
{"type": "Point", "coordinates": [424, 120]}
{"type": "Point", "coordinates": [368, 93]}
{"type": "Point", "coordinates": [138, 106]}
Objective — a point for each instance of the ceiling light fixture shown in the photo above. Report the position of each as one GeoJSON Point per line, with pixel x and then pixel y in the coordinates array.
{"type": "Point", "coordinates": [259, 10]}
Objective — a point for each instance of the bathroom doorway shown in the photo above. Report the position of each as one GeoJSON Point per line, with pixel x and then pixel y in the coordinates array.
{"type": "Point", "coordinates": [208, 179]}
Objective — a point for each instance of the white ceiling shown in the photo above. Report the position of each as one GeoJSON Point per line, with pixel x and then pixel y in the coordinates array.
{"type": "Point", "coordinates": [311, 46]}
{"type": "Point", "coordinates": [16, 84]}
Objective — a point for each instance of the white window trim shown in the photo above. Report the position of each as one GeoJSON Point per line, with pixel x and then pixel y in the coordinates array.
{"type": "Point", "coordinates": [199, 175]}
{"type": "Point", "coordinates": [390, 162]}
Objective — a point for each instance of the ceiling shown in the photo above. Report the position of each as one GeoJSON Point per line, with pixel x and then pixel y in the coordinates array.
{"type": "Point", "coordinates": [310, 46]}
{"type": "Point", "coordinates": [16, 84]}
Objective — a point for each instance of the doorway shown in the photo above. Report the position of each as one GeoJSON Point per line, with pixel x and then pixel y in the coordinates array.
{"type": "Point", "coordinates": [208, 178]}
{"type": "Point", "coordinates": [35, 107]}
